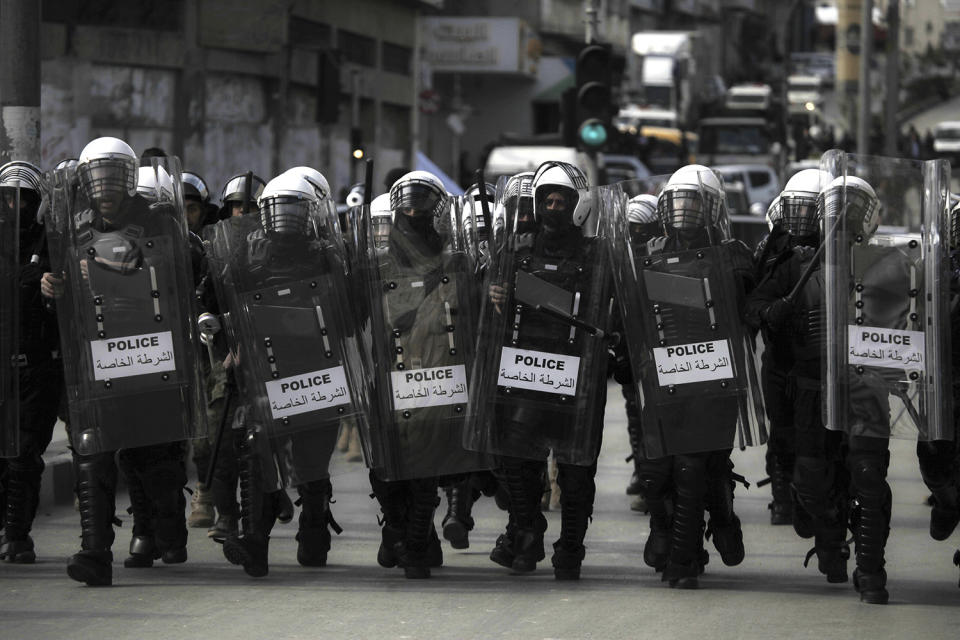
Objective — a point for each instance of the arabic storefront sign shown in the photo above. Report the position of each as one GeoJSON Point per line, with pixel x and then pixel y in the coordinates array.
{"type": "Point", "coordinates": [132, 355]}
{"type": "Point", "coordinates": [890, 348]}
{"type": "Point", "coordinates": [694, 362]}
{"type": "Point", "coordinates": [433, 387]}
{"type": "Point", "coordinates": [307, 392]}
{"type": "Point", "coordinates": [480, 44]}
{"type": "Point", "coordinates": [539, 371]}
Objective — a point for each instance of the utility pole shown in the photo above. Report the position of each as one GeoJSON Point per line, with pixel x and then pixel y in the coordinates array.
{"type": "Point", "coordinates": [19, 81]}
{"type": "Point", "coordinates": [866, 53]}
{"type": "Point", "coordinates": [590, 8]}
{"type": "Point", "coordinates": [891, 128]}
{"type": "Point", "coordinates": [354, 117]}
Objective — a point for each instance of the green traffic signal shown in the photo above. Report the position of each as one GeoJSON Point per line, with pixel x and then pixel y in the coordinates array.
{"type": "Point", "coordinates": [593, 133]}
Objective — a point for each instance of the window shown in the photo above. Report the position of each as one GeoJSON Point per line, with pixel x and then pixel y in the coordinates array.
{"type": "Point", "coordinates": [758, 178]}
{"type": "Point", "coordinates": [396, 59]}
{"type": "Point", "coordinates": [357, 48]}
{"type": "Point", "coordinates": [307, 34]}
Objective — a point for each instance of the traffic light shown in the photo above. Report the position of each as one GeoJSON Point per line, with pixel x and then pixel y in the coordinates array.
{"type": "Point", "coordinates": [594, 108]}
{"type": "Point", "coordinates": [356, 143]}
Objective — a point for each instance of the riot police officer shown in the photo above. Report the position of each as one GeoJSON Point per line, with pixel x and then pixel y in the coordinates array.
{"type": "Point", "coordinates": [265, 265]}
{"type": "Point", "coordinates": [686, 469]}
{"type": "Point", "coordinates": [827, 463]}
{"type": "Point", "coordinates": [39, 368]}
{"type": "Point", "coordinates": [129, 256]}
{"type": "Point", "coordinates": [792, 218]}
{"type": "Point", "coordinates": [551, 250]}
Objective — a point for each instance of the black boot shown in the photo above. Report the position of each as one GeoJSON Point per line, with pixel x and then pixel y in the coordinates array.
{"type": "Point", "coordinates": [577, 491]}
{"type": "Point", "coordinates": [502, 552]}
{"type": "Point", "coordinates": [458, 523]}
{"type": "Point", "coordinates": [523, 481]}
{"type": "Point", "coordinates": [224, 488]}
{"type": "Point", "coordinates": [143, 547]}
{"type": "Point", "coordinates": [413, 551]}
{"type": "Point", "coordinates": [869, 474]}
{"type": "Point", "coordinates": [393, 505]}
{"type": "Point", "coordinates": [22, 495]}
{"type": "Point", "coordinates": [313, 536]}
{"type": "Point", "coordinates": [780, 471]}
{"type": "Point", "coordinates": [945, 514]}
{"type": "Point", "coordinates": [724, 525]}
{"type": "Point", "coordinates": [685, 562]}
{"type": "Point", "coordinates": [258, 511]}
{"type": "Point", "coordinates": [633, 432]}
{"type": "Point", "coordinates": [164, 481]}
{"type": "Point", "coordinates": [96, 485]}
{"type": "Point", "coordinates": [820, 512]}
{"type": "Point", "coordinates": [656, 476]}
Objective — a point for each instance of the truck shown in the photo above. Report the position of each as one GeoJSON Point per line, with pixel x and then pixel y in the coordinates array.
{"type": "Point", "coordinates": [669, 71]}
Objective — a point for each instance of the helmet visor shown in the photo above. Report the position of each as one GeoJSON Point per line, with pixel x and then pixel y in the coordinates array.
{"type": "Point", "coordinates": [286, 215]}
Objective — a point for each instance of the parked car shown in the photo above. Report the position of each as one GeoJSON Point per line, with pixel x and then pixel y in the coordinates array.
{"type": "Point", "coordinates": [946, 140]}
{"type": "Point", "coordinates": [618, 168]}
{"type": "Point", "coordinates": [760, 183]}
{"type": "Point", "coordinates": [736, 141]}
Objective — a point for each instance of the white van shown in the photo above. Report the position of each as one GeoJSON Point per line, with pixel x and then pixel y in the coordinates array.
{"type": "Point", "coordinates": [508, 161]}
{"type": "Point", "coordinates": [748, 97]}
{"type": "Point", "coordinates": [946, 139]}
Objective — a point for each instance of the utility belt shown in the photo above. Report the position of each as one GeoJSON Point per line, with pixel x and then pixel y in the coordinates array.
{"type": "Point", "coordinates": [36, 357]}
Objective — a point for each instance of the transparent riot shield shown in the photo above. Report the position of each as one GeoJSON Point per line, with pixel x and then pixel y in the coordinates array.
{"type": "Point", "coordinates": [129, 339]}
{"type": "Point", "coordinates": [887, 298]}
{"type": "Point", "coordinates": [542, 346]}
{"type": "Point", "coordinates": [9, 321]}
{"type": "Point", "coordinates": [285, 300]}
{"type": "Point", "coordinates": [693, 362]}
{"type": "Point", "coordinates": [421, 305]}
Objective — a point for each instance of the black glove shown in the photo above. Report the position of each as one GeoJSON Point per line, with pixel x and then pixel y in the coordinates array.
{"type": "Point", "coordinates": [778, 315]}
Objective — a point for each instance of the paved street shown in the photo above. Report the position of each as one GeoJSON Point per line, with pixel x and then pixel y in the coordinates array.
{"type": "Point", "coordinates": [769, 595]}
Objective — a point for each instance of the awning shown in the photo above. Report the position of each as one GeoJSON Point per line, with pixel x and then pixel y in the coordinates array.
{"type": "Point", "coordinates": [426, 164]}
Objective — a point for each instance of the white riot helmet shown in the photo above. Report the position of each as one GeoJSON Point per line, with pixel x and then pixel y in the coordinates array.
{"type": "Point", "coordinates": [195, 187]}
{"type": "Point", "coordinates": [287, 204]}
{"type": "Point", "coordinates": [66, 163]}
{"type": "Point", "coordinates": [421, 191]}
{"type": "Point", "coordinates": [381, 219]}
{"type": "Point", "coordinates": [798, 201]}
{"type": "Point", "coordinates": [642, 218]}
{"type": "Point", "coordinates": [154, 185]}
{"type": "Point", "coordinates": [315, 178]}
{"type": "Point", "coordinates": [642, 209]}
{"type": "Point", "coordinates": [21, 175]}
{"type": "Point", "coordinates": [561, 177]}
{"type": "Point", "coordinates": [108, 170]}
{"type": "Point", "coordinates": [773, 217]}
{"type": "Point", "coordinates": [234, 191]}
{"type": "Point", "coordinates": [855, 198]}
{"type": "Point", "coordinates": [517, 199]}
{"type": "Point", "coordinates": [692, 199]}
{"type": "Point", "coordinates": [474, 207]}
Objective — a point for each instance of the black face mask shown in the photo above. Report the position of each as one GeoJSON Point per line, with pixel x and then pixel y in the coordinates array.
{"type": "Point", "coordinates": [419, 224]}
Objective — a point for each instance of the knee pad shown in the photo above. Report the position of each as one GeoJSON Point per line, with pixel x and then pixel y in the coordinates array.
{"type": "Point", "coordinates": [689, 474]}
{"type": "Point", "coordinates": [869, 474]}
{"type": "Point", "coordinates": [656, 476]}
{"type": "Point", "coordinates": [813, 480]}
